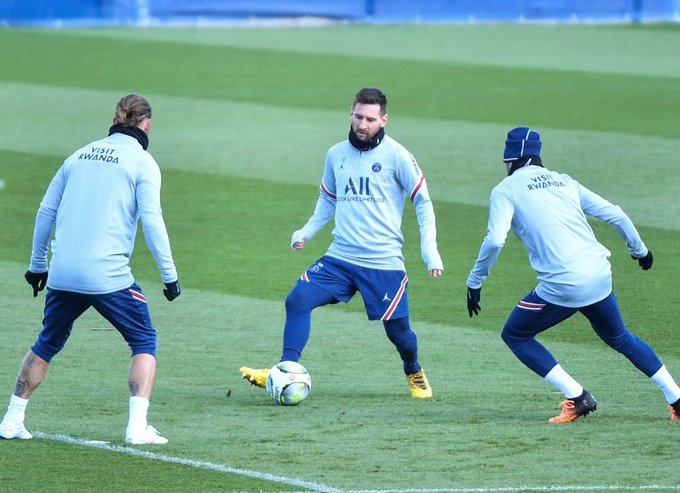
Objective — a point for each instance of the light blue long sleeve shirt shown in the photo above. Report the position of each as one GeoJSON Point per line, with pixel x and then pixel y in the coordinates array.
{"type": "Point", "coordinates": [365, 192]}
{"type": "Point", "coordinates": [547, 211]}
{"type": "Point", "coordinates": [92, 207]}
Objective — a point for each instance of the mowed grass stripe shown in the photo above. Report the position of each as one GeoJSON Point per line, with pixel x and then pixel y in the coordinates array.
{"type": "Point", "coordinates": [648, 49]}
{"type": "Point", "coordinates": [245, 226]}
{"type": "Point", "coordinates": [232, 235]}
{"type": "Point", "coordinates": [461, 160]}
{"type": "Point", "coordinates": [145, 454]}
{"type": "Point", "coordinates": [444, 91]}
{"type": "Point", "coordinates": [63, 464]}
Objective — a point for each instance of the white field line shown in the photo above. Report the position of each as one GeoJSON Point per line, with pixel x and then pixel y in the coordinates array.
{"type": "Point", "coordinates": [322, 488]}
{"type": "Point", "coordinates": [306, 485]}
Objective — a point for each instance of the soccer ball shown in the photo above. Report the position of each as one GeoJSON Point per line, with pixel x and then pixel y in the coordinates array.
{"type": "Point", "coordinates": [288, 383]}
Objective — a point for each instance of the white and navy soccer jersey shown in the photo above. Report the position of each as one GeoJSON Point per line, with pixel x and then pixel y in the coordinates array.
{"type": "Point", "coordinates": [365, 191]}
{"type": "Point", "coordinates": [547, 211]}
{"type": "Point", "coordinates": [92, 206]}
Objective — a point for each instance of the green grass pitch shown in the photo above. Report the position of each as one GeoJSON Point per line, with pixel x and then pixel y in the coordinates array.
{"type": "Point", "coordinates": [242, 120]}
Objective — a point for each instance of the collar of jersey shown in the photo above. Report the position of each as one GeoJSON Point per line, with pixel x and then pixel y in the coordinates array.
{"type": "Point", "coordinates": [134, 132]}
{"type": "Point", "coordinates": [361, 145]}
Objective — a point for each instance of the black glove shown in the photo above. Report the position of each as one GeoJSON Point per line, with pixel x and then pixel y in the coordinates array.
{"type": "Point", "coordinates": [172, 290]}
{"type": "Point", "coordinates": [473, 297]}
{"type": "Point", "coordinates": [36, 279]}
{"type": "Point", "coordinates": [646, 261]}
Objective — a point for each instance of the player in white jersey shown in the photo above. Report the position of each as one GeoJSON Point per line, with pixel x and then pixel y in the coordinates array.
{"type": "Point", "coordinates": [92, 206]}
{"type": "Point", "coordinates": [547, 211]}
{"type": "Point", "coordinates": [364, 186]}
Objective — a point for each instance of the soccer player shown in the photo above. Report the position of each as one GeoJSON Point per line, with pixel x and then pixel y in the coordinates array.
{"type": "Point", "coordinates": [547, 211]}
{"type": "Point", "coordinates": [364, 186]}
{"type": "Point", "coordinates": [93, 205]}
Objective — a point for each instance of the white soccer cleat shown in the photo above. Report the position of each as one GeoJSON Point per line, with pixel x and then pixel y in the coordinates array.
{"type": "Point", "coordinates": [147, 436]}
{"type": "Point", "coordinates": [10, 430]}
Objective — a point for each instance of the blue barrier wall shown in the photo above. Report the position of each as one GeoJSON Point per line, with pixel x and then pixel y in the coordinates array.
{"type": "Point", "coordinates": [126, 12]}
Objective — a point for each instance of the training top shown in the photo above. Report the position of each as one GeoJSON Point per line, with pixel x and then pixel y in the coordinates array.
{"type": "Point", "coordinates": [92, 205]}
{"type": "Point", "coordinates": [365, 191]}
{"type": "Point", "coordinates": [547, 211]}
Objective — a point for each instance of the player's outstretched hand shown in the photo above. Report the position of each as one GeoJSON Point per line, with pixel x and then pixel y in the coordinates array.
{"type": "Point", "coordinates": [297, 242]}
{"type": "Point", "coordinates": [36, 279]}
{"type": "Point", "coordinates": [646, 261]}
{"type": "Point", "coordinates": [473, 298]}
{"type": "Point", "coordinates": [172, 290]}
{"type": "Point", "coordinates": [436, 272]}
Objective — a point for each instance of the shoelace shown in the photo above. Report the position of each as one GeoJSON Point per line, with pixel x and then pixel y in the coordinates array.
{"type": "Point", "coordinates": [568, 408]}
{"type": "Point", "coordinates": [418, 380]}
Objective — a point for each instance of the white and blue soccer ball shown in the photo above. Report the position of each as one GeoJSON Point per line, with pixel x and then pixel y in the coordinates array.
{"type": "Point", "coordinates": [288, 383]}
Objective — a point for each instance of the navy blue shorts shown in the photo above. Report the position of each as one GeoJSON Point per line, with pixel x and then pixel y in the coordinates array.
{"type": "Point", "coordinates": [533, 315]}
{"type": "Point", "coordinates": [126, 310]}
{"type": "Point", "coordinates": [385, 292]}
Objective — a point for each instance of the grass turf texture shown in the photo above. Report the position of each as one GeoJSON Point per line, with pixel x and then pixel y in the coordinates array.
{"type": "Point", "coordinates": [242, 119]}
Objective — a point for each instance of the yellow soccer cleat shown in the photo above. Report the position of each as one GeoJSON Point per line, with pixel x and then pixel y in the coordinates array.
{"type": "Point", "coordinates": [418, 385]}
{"type": "Point", "coordinates": [256, 376]}
{"type": "Point", "coordinates": [575, 408]}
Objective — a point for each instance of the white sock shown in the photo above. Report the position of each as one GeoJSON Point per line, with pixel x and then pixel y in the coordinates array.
{"type": "Point", "coordinates": [665, 382]}
{"type": "Point", "coordinates": [138, 409]}
{"type": "Point", "coordinates": [563, 382]}
{"type": "Point", "coordinates": [16, 411]}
